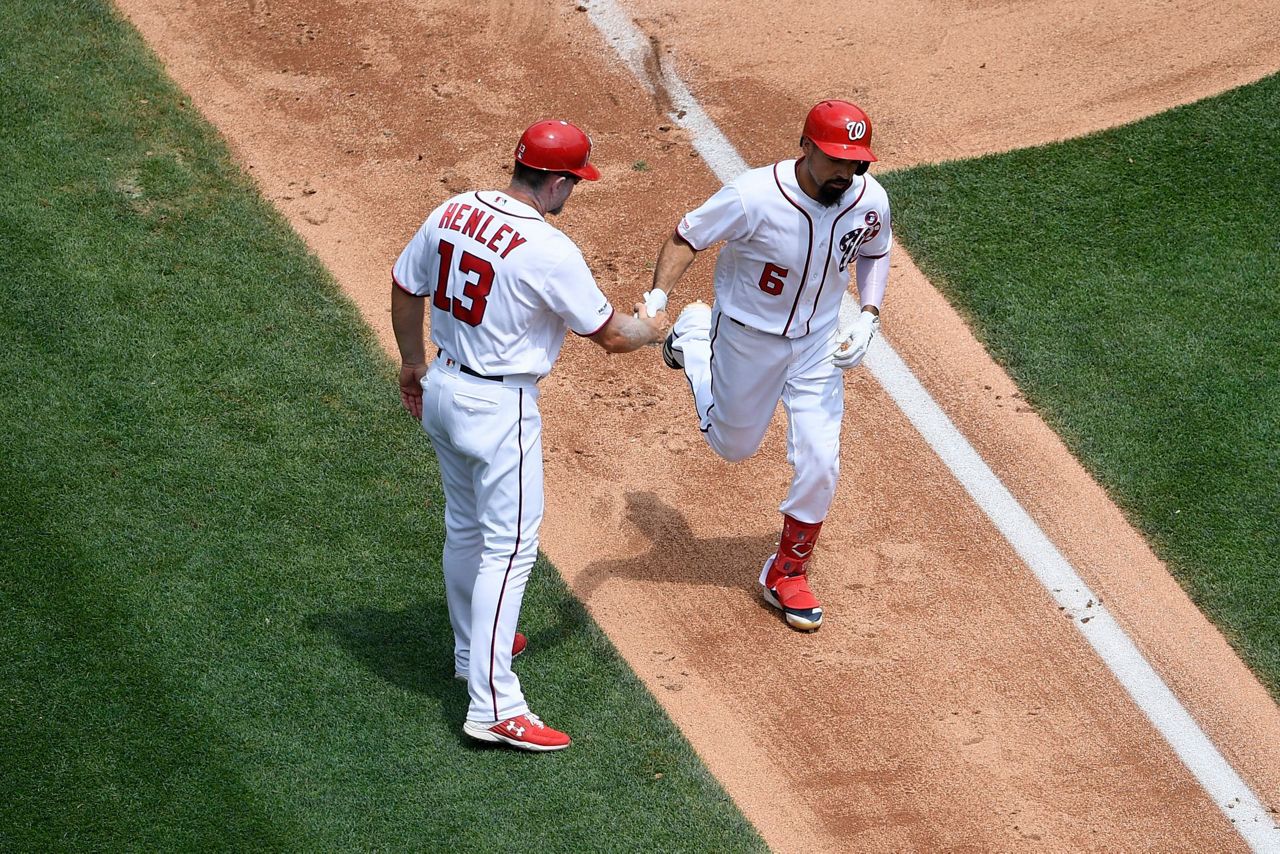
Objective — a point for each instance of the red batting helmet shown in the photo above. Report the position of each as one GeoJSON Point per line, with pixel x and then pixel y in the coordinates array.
{"type": "Point", "coordinates": [557, 146]}
{"type": "Point", "coordinates": [840, 129]}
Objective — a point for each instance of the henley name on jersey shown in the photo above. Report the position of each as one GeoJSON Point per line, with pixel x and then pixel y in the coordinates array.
{"type": "Point", "coordinates": [474, 222]}
{"type": "Point", "coordinates": [504, 284]}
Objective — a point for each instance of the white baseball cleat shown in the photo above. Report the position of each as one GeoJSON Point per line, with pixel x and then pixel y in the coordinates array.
{"type": "Point", "coordinates": [672, 357]}
{"type": "Point", "coordinates": [672, 354]}
{"type": "Point", "coordinates": [526, 732]}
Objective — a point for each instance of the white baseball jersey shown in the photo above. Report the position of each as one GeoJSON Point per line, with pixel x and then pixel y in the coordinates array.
{"type": "Point", "coordinates": [787, 260]}
{"type": "Point", "coordinates": [504, 284]}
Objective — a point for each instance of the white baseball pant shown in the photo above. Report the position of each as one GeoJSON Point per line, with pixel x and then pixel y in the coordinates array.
{"type": "Point", "coordinates": [487, 436]}
{"type": "Point", "coordinates": [738, 375]}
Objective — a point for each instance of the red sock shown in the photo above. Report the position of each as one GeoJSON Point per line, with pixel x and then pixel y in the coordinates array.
{"type": "Point", "coordinates": [798, 539]}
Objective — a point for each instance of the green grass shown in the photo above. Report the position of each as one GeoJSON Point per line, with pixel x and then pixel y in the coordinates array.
{"type": "Point", "coordinates": [1128, 282]}
{"type": "Point", "coordinates": [221, 615]}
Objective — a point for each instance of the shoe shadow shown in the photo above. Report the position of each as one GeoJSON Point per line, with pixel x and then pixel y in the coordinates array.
{"type": "Point", "coordinates": [411, 648]}
{"type": "Point", "coordinates": [677, 555]}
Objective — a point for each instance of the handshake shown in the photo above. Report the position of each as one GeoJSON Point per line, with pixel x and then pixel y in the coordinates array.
{"type": "Point", "coordinates": [853, 341]}
{"type": "Point", "coordinates": [654, 302]}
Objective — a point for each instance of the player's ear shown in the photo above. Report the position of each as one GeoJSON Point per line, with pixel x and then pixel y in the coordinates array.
{"type": "Point", "coordinates": [863, 166]}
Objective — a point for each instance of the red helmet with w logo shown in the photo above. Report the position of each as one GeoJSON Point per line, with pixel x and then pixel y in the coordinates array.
{"type": "Point", "coordinates": [840, 129]}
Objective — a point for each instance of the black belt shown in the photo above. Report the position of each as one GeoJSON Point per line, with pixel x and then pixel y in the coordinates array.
{"type": "Point", "coordinates": [472, 373]}
{"type": "Point", "coordinates": [476, 374]}
{"type": "Point", "coordinates": [754, 329]}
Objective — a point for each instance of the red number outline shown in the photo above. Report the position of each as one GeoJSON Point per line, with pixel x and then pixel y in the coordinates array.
{"type": "Point", "coordinates": [440, 299]}
{"type": "Point", "coordinates": [773, 279]}
{"type": "Point", "coordinates": [475, 290]}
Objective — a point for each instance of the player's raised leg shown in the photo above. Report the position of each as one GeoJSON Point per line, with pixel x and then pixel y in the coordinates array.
{"type": "Point", "coordinates": [736, 375]}
{"type": "Point", "coordinates": [688, 347]}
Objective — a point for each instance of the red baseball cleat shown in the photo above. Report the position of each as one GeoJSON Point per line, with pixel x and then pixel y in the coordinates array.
{"type": "Point", "coordinates": [517, 646]}
{"type": "Point", "coordinates": [791, 595]}
{"type": "Point", "coordinates": [527, 732]}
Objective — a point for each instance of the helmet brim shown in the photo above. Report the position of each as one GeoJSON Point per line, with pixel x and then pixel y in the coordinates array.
{"type": "Point", "coordinates": [844, 151]}
{"type": "Point", "coordinates": [586, 172]}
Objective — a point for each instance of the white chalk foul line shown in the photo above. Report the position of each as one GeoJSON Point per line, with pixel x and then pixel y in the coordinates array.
{"type": "Point", "coordinates": [1116, 649]}
{"type": "Point", "coordinates": [1166, 713]}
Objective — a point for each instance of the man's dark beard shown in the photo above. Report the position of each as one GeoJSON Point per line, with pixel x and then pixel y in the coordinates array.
{"type": "Point", "coordinates": [829, 193]}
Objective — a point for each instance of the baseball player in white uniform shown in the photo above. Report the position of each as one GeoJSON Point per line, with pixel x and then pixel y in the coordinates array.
{"type": "Point", "coordinates": [793, 233]}
{"type": "Point", "coordinates": [503, 285]}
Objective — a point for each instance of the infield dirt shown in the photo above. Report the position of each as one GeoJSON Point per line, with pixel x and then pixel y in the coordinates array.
{"type": "Point", "coordinates": [946, 703]}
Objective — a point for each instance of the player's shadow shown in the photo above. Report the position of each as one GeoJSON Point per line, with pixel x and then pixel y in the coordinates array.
{"type": "Point", "coordinates": [676, 555]}
{"type": "Point", "coordinates": [411, 648]}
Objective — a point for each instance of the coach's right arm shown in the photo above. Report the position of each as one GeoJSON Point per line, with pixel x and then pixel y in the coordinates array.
{"type": "Point", "coordinates": [625, 333]}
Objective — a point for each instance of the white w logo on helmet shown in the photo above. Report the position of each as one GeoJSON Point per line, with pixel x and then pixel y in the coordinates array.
{"type": "Point", "coordinates": [857, 130]}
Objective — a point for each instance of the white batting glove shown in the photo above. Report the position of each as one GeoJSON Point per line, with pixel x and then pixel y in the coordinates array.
{"type": "Point", "coordinates": [655, 301]}
{"type": "Point", "coordinates": [852, 343]}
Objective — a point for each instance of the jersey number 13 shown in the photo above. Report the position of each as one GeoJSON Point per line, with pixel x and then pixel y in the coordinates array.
{"type": "Point", "coordinates": [476, 290]}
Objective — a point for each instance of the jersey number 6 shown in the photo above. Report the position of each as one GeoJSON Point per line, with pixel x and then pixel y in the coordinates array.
{"type": "Point", "coordinates": [476, 292]}
{"type": "Point", "coordinates": [773, 278]}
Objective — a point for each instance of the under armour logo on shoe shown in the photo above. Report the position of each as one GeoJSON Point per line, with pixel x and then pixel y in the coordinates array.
{"type": "Point", "coordinates": [512, 726]}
